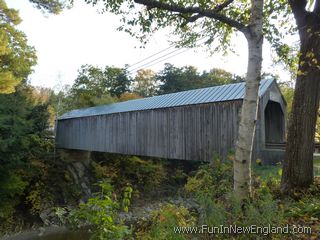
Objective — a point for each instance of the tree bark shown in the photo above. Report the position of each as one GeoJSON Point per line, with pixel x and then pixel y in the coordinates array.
{"type": "Point", "coordinates": [298, 163]}
{"type": "Point", "coordinates": [244, 146]}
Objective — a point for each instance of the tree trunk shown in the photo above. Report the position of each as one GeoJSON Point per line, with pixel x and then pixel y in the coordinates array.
{"type": "Point", "coordinates": [244, 146]}
{"type": "Point", "coordinates": [298, 163]}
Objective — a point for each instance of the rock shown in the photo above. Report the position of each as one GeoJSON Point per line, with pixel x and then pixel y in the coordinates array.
{"type": "Point", "coordinates": [41, 231]}
{"type": "Point", "coordinates": [49, 217]}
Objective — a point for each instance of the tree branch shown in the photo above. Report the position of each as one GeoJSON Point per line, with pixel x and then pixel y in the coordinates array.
{"type": "Point", "coordinates": [192, 19]}
{"type": "Point", "coordinates": [212, 13]}
{"type": "Point", "coordinates": [222, 6]}
{"type": "Point", "coordinates": [218, 8]}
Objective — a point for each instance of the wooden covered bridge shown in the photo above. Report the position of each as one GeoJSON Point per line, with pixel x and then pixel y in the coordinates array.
{"type": "Point", "coordinates": [189, 125]}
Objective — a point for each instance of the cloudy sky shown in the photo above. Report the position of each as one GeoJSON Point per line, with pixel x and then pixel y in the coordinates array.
{"type": "Point", "coordinates": [82, 36]}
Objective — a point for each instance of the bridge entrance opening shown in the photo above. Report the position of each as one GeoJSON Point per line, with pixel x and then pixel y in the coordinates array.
{"type": "Point", "coordinates": [274, 123]}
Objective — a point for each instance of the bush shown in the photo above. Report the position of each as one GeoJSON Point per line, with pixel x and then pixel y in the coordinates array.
{"type": "Point", "coordinates": [142, 174]}
{"type": "Point", "coordinates": [211, 180]}
{"type": "Point", "coordinates": [162, 223]}
{"type": "Point", "coordinates": [99, 213]}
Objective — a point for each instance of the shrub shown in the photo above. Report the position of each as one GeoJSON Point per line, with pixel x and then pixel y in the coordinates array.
{"type": "Point", "coordinates": [211, 180]}
{"type": "Point", "coordinates": [161, 225]}
{"type": "Point", "coordinates": [122, 169]}
{"type": "Point", "coordinates": [99, 213]}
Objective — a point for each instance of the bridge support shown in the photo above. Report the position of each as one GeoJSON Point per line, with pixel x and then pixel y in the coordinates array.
{"type": "Point", "coordinates": [70, 155]}
{"type": "Point", "coordinates": [78, 165]}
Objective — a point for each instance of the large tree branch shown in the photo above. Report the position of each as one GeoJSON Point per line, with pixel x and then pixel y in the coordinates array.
{"type": "Point", "coordinates": [299, 10]}
{"type": "Point", "coordinates": [210, 13]}
{"type": "Point", "coordinates": [218, 8]}
{"type": "Point", "coordinates": [193, 18]}
{"type": "Point", "coordinates": [223, 5]}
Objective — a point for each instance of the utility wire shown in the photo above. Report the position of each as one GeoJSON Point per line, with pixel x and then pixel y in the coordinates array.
{"type": "Point", "coordinates": [185, 50]}
{"type": "Point", "coordinates": [155, 54]}
{"type": "Point", "coordinates": [145, 64]}
{"type": "Point", "coordinates": [161, 58]}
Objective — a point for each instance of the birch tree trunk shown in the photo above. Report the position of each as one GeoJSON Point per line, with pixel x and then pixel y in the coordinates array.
{"type": "Point", "coordinates": [244, 146]}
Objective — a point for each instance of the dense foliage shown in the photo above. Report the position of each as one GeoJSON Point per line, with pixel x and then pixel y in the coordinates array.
{"type": "Point", "coordinates": [174, 79]}
{"type": "Point", "coordinates": [24, 143]}
{"type": "Point", "coordinates": [16, 56]}
{"type": "Point", "coordinates": [100, 213]}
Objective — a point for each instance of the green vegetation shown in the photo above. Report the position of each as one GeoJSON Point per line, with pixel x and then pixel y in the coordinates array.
{"type": "Point", "coordinates": [163, 221]}
{"type": "Point", "coordinates": [174, 79]}
{"type": "Point", "coordinates": [99, 214]}
{"type": "Point", "coordinates": [16, 56]}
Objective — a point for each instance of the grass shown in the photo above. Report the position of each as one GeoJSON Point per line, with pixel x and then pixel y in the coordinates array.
{"type": "Point", "coordinates": [267, 171]}
{"type": "Point", "coordinates": [316, 166]}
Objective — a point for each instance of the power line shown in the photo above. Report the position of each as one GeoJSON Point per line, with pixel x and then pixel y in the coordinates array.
{"type": "Point", "coordinates": [151, 56]}
{"type": "Point", "coordinates": [155, 61]}
{"type": "Point", "coordinates": [143, 65]}
{"type": "Point", "coordinates": [155, 54]}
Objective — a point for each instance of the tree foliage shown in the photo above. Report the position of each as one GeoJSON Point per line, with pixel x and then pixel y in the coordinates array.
{"type": "Point", "coordinates": [95, 86]}
{"type": "Point", "coordinates": [23, 140]}
{"type": "Point", "coordinates": [16, 56]}
{"type": "Point", "coordinates": [145, 83]}
{"type": "Point", "coordinates": [174, 79]}
{"type": "Point", "coordinates": [51, 6]}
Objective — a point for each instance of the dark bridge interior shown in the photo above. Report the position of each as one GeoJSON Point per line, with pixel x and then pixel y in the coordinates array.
{"type": "Point", "coordinates": [274, 123]}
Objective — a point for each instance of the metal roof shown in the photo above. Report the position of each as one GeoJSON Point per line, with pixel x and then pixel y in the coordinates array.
{"type": "Point", "coordinates": [198, 96]}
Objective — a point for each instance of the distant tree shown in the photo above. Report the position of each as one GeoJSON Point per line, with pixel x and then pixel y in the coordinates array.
{"type": "Point", "coordinates": [218, 76]}
{"type": "Point", "coordinates": [96, 86]}
{"type": "Point", "coordinates": [144, 83]}
{"type": "Point", "coordinates": [129, 96]}
{"type": "Point", "coordinates": [116, 81]}
{"type": "Point", "coordinates": [16, 56]}
{"type": "Point", "coordinates": [89, 89]}
{"type": "Point", "coordinates": [174, 79]}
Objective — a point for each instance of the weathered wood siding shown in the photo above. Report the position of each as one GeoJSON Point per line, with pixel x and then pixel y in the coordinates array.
{"type": "Point", "coordinates": [193, 132]}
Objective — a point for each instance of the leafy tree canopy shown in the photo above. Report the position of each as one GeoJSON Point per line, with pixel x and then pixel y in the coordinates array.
{"type": "Point", "coordinates": [212, 22]}
{"type": "Point", "coordinates": [174, 79]}
{"type": "Point", "coordinates": [16, 56]}
{"type": "Point", "coordinates": [23, 138]}
{"type": "Point", "coordinates": [96, 86]}
{"type": "Point", "coordinates": [145, 83]}
{"type": "Point", "coordinates": [51, 6]}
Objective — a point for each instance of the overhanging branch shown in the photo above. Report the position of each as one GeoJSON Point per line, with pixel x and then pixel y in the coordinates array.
{"type": "Point", "coordinates": [210, 13]}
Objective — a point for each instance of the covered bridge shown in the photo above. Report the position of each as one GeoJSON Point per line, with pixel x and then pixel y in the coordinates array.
{"type": "Point", "coordinates": [190, 125]}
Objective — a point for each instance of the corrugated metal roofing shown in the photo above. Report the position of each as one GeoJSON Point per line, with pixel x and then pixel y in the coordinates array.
{"type": "Point", "coordinates": [204, 95]}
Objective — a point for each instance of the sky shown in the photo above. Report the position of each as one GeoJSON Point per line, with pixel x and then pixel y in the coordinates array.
{"type": "Point", "coordinates": [80, 36]}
